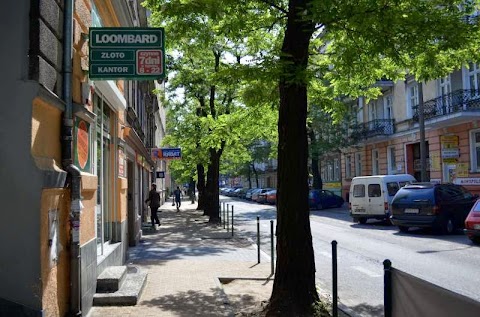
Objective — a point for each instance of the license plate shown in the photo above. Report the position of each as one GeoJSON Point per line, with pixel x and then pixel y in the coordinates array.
{"type": "Point", "coordinates": [411, 211]}
{"type": "Point", "coordinates": [360, 210]}
{"type": "Point", "coordinates": [476, 226]}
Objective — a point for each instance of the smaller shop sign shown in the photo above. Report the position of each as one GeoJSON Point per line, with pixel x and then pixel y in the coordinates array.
{"type": "Point", "coordinates": [167, 153]}
{"type": "Point", "coordinates": [160, 174]}
{"type": "Point", "coordinates": [336, 185]}
{"type": "Point", "coordinates": [121, 162]}
{"type": "Point", "coordinates": [82, 145]}
{"type": "Point", "coordinates": [469, 181]}
{"type": "Point", "coordinates": [450, 153]}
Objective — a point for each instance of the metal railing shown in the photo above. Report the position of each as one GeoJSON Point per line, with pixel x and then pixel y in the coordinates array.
{"type": "Point", "coordinates": [456, 101]}
{"type": "Point", "coordinates": [373, 128]}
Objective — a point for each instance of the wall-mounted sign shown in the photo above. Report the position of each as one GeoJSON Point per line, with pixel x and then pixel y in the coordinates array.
{"type": "Point", "coordinates": [472, 181]}
{"type": "Point", "coordinates": [160, 174]}
{"type": "Point", "coordinates": [449, 141]}
{"type": "Point", "coordinates": [82, 145]}
{"type": "Point", "coordinates": [449, 153]}
{"type": "Point", "coordinates": [127, 53]}
{"type": "Point", "coordinates": [121, 162]}
{"type": "Point", "coordinates": [167, 154]}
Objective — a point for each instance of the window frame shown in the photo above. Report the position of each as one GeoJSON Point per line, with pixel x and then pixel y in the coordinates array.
{"type": "Point", "coordinates": [391, 161]}
{"type": "Point", "coordinates": [474, 159]}
{"type": "Point", "coordinates": [375, 162]}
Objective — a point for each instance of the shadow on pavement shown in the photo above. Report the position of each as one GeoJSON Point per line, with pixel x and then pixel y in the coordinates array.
{"type": "Point", "coordinates": [192, 303]}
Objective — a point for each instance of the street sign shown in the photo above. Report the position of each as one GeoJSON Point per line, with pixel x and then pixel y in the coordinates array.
{"type": "Point", "coordinates": [127, 53]}
{"type": "Point", "coordinates": [160, 174]}
{"type": "Point", "coordinates": [167, 153]}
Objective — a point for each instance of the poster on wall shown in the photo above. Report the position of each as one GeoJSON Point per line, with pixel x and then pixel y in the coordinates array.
{"type": "Point", "coordinates": [81, 145]}
{"type": "Point", "coordinates": [121, 162]}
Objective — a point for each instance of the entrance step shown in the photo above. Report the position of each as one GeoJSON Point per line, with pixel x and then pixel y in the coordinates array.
{"type": "Point", "coordinates": [129, 292]}
{"type": "Point", "coordinates": [111, 279]}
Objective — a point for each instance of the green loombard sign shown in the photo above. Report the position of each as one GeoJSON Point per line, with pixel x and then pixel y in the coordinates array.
{"type": "Point", "coordinates": [127, 53]}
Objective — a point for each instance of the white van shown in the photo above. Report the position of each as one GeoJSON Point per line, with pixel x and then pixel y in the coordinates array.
{"type": "Point", "coordinates": [371, 196]}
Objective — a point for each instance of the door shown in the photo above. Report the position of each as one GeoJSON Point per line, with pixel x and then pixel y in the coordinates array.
{"type": "Point", "coordinates": [358, 199]}
{"type": "Point", "coordinates": [375, 197]}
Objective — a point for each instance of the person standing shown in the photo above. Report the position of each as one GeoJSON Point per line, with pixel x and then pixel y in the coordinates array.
{"type": "Point", "coordinates": [154, 199]}
{"type": "Point", "coordinates": [178, 196]}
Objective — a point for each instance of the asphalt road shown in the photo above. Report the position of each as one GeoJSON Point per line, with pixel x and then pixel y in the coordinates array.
{"type": "Point", "coordinates": [451, 262]}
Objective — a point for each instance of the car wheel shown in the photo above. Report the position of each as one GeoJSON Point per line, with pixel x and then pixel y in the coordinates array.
{"type": "Point", "coordinates": [475, 240]}
{"type": "Point", "coordinates": [403, 228]}
{"type": "Point", "coordinates": [362, 220]}
{"type": "Point", "coordinates": [319, 206]}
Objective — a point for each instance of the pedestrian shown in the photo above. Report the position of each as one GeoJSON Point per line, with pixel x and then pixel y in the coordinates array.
{"type": "Point", "coordinates": [178, 194]}
{"type": "Point", "coordinates": [154, 199]}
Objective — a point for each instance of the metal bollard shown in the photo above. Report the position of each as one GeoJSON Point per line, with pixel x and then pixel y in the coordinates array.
{"type": "Point", "coordinates": [258, 239]}
{"type": "Point", "coordinates": [223, 219]}
{"type": "Point", "coordinates": [232, 220]}
{"type": "Point", "coordinates": [226, 218]}
{"type": "Point", "coordinates": [271, 248]}
{"type": "Point", "coordinates": [387, 287]}
{"type": "Point", "coordinates": [334, 279]}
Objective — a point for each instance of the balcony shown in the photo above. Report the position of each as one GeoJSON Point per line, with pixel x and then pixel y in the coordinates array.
{"type": "Point", "coordinates": [456, 102]}
{"type": "Point", "coordinates": [374, 128]}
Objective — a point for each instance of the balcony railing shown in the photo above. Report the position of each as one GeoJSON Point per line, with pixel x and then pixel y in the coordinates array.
{"type": "Point", "coordinates": [373, 128]}
{"type": "Point", "coordinates": [456, 101]}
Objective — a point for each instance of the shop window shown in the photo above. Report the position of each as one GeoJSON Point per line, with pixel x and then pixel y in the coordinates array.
{"type": "Point", "coordinates": [475, 150]}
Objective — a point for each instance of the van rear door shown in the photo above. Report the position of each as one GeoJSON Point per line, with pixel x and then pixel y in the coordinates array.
{"type": "Point", "coordinates": [375, 197]}
{"type": "Point", "coordinates": [358, 199]}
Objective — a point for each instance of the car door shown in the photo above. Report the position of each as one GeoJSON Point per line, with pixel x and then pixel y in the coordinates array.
{"type": "Point", "coordinates": [375, 197]}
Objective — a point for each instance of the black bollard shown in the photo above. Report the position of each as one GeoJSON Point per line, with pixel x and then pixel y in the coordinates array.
{"type": "Point", "coordinates": [334, 279]}
{"type": "Point", "coordinates": [272, 248]}
{"type": "Point", "coordinates": [232, 220]}
{"type": "Point", "coordinates": [387, 287]}
{"type": "Point", "coordinates": [258, 239]}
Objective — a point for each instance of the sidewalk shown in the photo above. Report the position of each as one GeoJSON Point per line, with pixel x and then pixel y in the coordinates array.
{"type": "Point", "coordinates": [186, 259]}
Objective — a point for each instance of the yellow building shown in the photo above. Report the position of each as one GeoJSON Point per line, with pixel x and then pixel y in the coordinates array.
{"type": "Point", "coordinates": [75, 166]}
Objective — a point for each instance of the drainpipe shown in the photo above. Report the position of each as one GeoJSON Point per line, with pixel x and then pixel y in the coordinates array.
{"type": "Point", "coordinates": [73, 173]}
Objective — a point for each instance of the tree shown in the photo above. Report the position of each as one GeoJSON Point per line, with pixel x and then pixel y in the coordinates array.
{"type": "Point", "coordinates": [338, 48]}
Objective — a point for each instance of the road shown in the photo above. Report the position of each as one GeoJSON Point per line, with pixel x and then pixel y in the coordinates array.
{"type": "Point", "coordinates": [451, 262]}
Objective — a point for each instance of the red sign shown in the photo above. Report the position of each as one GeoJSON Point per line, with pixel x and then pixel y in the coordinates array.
{"type": "Point", "coordinates": [149, 62]}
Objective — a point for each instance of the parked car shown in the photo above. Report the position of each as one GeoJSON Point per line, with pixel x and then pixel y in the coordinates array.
{"type": "Point", "coordinates": [370, 196]}
{"type": "Point", "coordinates": [272, 197]}
{"type": "Point", "coordinates": [442, 207]}
{"type": "Point", "coordinates": [321, 199]}
{"type": "Point", "coordinates": [472, 223]}
{"type": "Point", "coordinates": [258, 192]}
{"type": "Point", "coordinates": [249, 193]}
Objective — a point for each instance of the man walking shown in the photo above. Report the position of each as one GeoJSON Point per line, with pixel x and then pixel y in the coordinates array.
{"type": "Point", "coordinates": [154, 199]}
{"type": "Point", "coordinates": [178, 194]}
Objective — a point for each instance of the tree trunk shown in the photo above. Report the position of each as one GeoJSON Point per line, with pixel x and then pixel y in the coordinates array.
{"type": "Point", "coordinates": [201, 187]}
{"type": "Point", "coordinates": [317, 180]}
{"type": "Point", "coordinates": [255, 173]}
{"type": "Point", "coordinates": [212, 205]}
{"type": "Point", "coordinates": [294, 290]}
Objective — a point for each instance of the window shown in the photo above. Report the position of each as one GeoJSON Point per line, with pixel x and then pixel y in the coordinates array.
{"type": "Point", "coordinates": [104, 170]}
{"type": "Point", "coordinates": [375, 162]}
{"type": "Point", "coordinates": [336, 169]}
{"type": "Point", "coordinates": [388, 104]}
{"type": "Point", "coordinates": [374, 190]}
{"type": "Point", "coordinates": [475, 150]}
{"type": "Point", "coordinates": [391, 161]}
{"type": "Point", "coordinates": [474, 78]}
{"type": "Point", "coordinates": [348, 166]}
{"type": "Point", "coordinates": [392, 188]}
{"type": "Point", "coordinates": [359, 190]}
{"type": "Point", "coordinates": [358, 164]}
{"type": "Point", "coordinates": [412, 98]}
{"type": "Point", "coordinates": [372, 111]}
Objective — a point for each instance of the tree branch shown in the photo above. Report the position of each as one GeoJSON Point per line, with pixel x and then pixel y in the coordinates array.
{"type": "Point", "coordinates": [273, 5]}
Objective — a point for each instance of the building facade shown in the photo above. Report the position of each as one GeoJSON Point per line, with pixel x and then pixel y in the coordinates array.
{"type": "Point", "coordinates": [387, 131]}
{"type": "Point", "coordinates": [78, 165]}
